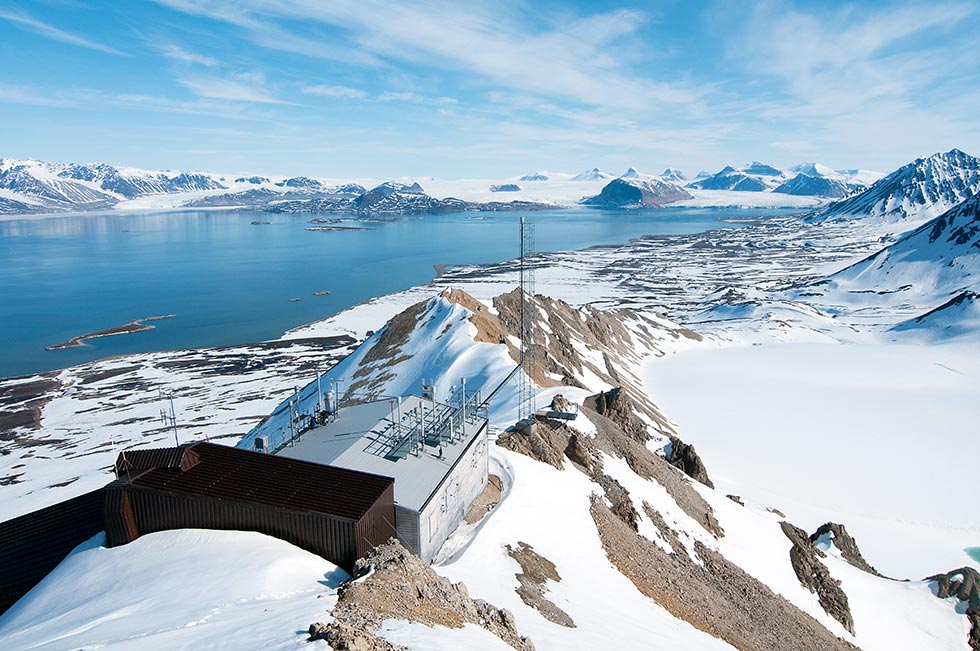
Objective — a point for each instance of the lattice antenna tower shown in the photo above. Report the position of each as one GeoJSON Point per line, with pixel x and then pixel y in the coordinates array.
{"type": "Point", "coordinates": [527, 318]}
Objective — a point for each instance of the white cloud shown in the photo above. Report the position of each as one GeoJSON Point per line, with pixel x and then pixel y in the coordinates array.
{"type": "Point", "coordinates": [859, 81]}
{"type": "Point", "coordinates": [246, 87]}
{"type": "Point", "coordinates": [414, 98]}
{"type": "Point", "coordinates": [505, 44]}
{"type": "Point", "coordinates": [339, 92]}
{"type": "Point", "coordinates": [29, 95]}
{"type": "Point", "coordinates": [178, 53]}
{"type": "Point", "coordinates": [54, 33]}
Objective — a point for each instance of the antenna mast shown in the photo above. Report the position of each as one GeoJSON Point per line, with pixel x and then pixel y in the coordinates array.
{"type": "Point", "coordinates": [527, 318]}
{"type": "Point", "coordinates": [169, 418]}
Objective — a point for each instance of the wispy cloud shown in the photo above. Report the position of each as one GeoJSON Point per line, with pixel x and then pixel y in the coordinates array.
{"type": "Point", "coordinates": [177, 53]}
{"type": "Point", "coordinates": [29, 95]}
{"type": "Point", "coordinates": [338, 92]}
{"type": "Point", "coordinates": [853, 79]}
{"type": "Point", "coordinates": [248, 87]}
{"type": "Point", "coordinates": [260, 27]}
{"type": "Point", "coordinates": [510, 46]}
{"type": "Point", "coordinates": [87, 97]}
{"type": "Point", "coordinates": [50, 31]}
{"type": "Point", "coordinates": [414, 98]}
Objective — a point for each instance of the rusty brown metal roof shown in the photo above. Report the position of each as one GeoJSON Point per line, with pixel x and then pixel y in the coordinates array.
{"type": "Point", "coordinates": [242, 475]}
{"type": "Point", "coordinates": [135, 461]}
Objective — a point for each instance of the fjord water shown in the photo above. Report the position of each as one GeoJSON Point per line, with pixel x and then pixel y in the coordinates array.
{"type": "Point", "coordinates": [229, 281]}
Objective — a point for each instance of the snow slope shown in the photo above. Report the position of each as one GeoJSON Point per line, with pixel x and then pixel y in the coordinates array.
{"type": "Point", "coordinates": [187, 589]}
{"type": "Point", "coordinates": [922, 270]}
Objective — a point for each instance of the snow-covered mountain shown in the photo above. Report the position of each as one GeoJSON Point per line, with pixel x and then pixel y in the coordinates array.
{"type": "Point", "coordinates": [543, 175]}
{"type": "Point", "coordinates": [673, 175]}
{"type": "Point", "coordinates": [594, 174]}
{"type": "Point", "coordinates": [95, 186]}
{"type": "Point", "coordinates": [637, 193]}
{"type": "Point", "coordinates": [40, 186]}
{"type": "Point", "coordinates": [633, 173]}
{"type": "Point", "coordinates": [389, 198]}
{"type": "Point", "coordinates": [132, 183]}
{"type": "Point", "coordinates": [923, 189]}
{"type": "Point", "coordinates": [813, 186]}
{"type": "Point", "coordinates": [934, 265]}
{"type": "Point", "coordinates": [754, 177]}
{"type": "Point", "coordinates": [816, 180]}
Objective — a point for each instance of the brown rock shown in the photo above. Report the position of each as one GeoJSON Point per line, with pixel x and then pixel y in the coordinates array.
{"type": "Point", "coordinates": [815, 577]}
{"type": "Point", "coordinates": [846, 544]}
{"type": "Point", "coordinates": [964, 584]}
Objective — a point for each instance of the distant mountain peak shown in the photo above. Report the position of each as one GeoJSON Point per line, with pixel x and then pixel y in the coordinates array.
{"type": "Point", "coordinates": [755, 168]}
{"type": "Point", "coordinates": [924, 188]}
{"type": "Point", "coordinates": [594, 174]}
{"type": "Point", "coordinates": [673, 174]}
{"type": "Point", "coordinates": [543, 175]}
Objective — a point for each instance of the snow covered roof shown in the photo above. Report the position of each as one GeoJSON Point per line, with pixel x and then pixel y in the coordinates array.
{"type": "Point", "coordinates": [364, 437]}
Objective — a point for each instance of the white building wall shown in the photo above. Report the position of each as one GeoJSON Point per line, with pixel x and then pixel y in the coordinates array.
{"type": "Point", "coordinates": [453, 499]}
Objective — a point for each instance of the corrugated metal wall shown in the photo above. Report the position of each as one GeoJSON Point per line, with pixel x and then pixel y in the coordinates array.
{"type": "Point", "coordinates": [407, 524]}
{"type": "Point", "coordinates": [378, 525]}
{"type": "Point", "coordinates": [335, 539]}
{"type": "Point", "coordinates": [33, 544]}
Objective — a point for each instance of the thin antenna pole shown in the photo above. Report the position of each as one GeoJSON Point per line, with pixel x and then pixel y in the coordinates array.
{"type": "Point", "coordinates": [171, 418]}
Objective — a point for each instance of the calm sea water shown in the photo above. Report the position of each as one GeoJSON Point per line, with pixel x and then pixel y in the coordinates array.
{"type": "Point", "coordinates": [228, 281]}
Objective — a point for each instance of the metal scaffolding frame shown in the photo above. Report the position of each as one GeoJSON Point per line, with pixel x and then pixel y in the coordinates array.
{"type": "Point", "coordinates": [527, 318]}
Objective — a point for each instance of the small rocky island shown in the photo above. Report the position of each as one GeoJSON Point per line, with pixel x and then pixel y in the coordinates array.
{"type": "Point", "coordinates": [136, 325]}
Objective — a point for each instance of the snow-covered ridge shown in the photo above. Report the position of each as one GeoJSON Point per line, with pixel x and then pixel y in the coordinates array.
{"type": "Point", "coordinates": [920, 190]}
{"type": "Point", "coordinates": [36, 187]}
{"type": "Point", "coordinates": [805, 179]}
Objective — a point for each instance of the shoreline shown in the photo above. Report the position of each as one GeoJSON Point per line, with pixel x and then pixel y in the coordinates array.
{"type": "Point", "coordinates": [443, 273]}
{"type": "Point", "coordinates": [136, 325]}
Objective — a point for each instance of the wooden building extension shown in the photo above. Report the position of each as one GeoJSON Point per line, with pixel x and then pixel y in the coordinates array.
{"type": "Point", "coordinates": [336, 513]}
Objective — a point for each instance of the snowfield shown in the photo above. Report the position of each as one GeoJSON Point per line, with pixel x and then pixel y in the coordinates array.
{"type": "Point", "coordinates": [877, 436]}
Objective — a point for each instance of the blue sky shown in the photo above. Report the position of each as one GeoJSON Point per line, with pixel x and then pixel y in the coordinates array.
{"type": "Point", "coordinates": [486, 89]}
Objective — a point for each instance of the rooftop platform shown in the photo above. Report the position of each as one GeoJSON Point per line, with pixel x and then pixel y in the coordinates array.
{"type": "Point", "coordinates": [418, 451]}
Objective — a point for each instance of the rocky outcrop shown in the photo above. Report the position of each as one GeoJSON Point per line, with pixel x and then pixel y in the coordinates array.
{"type": "Point", "coordinates": [537, 440]}
{"type": "Point", "coordinates": [619, 500]}
{"type": "Point", "coordinates": [843, 541]}
{"type": "Point", "coordinates": [620, 409]}
{"type": "Point", "coordinates": [393, 583]}
{"type": "Point", "coordinates": [682, 456]}
{"type": "Point", "coordinates": [561, 404]}
{"type": "Point", "coordinates": [715, 595]}
{"type": "Point", "coordinates": [536, 570]}
{"type": "Point", "coordinates": [964, 584]}
{"type": "Point", "coordinates": [612, 440]}
{"type": "Point", "coordinates": [815, 577]}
